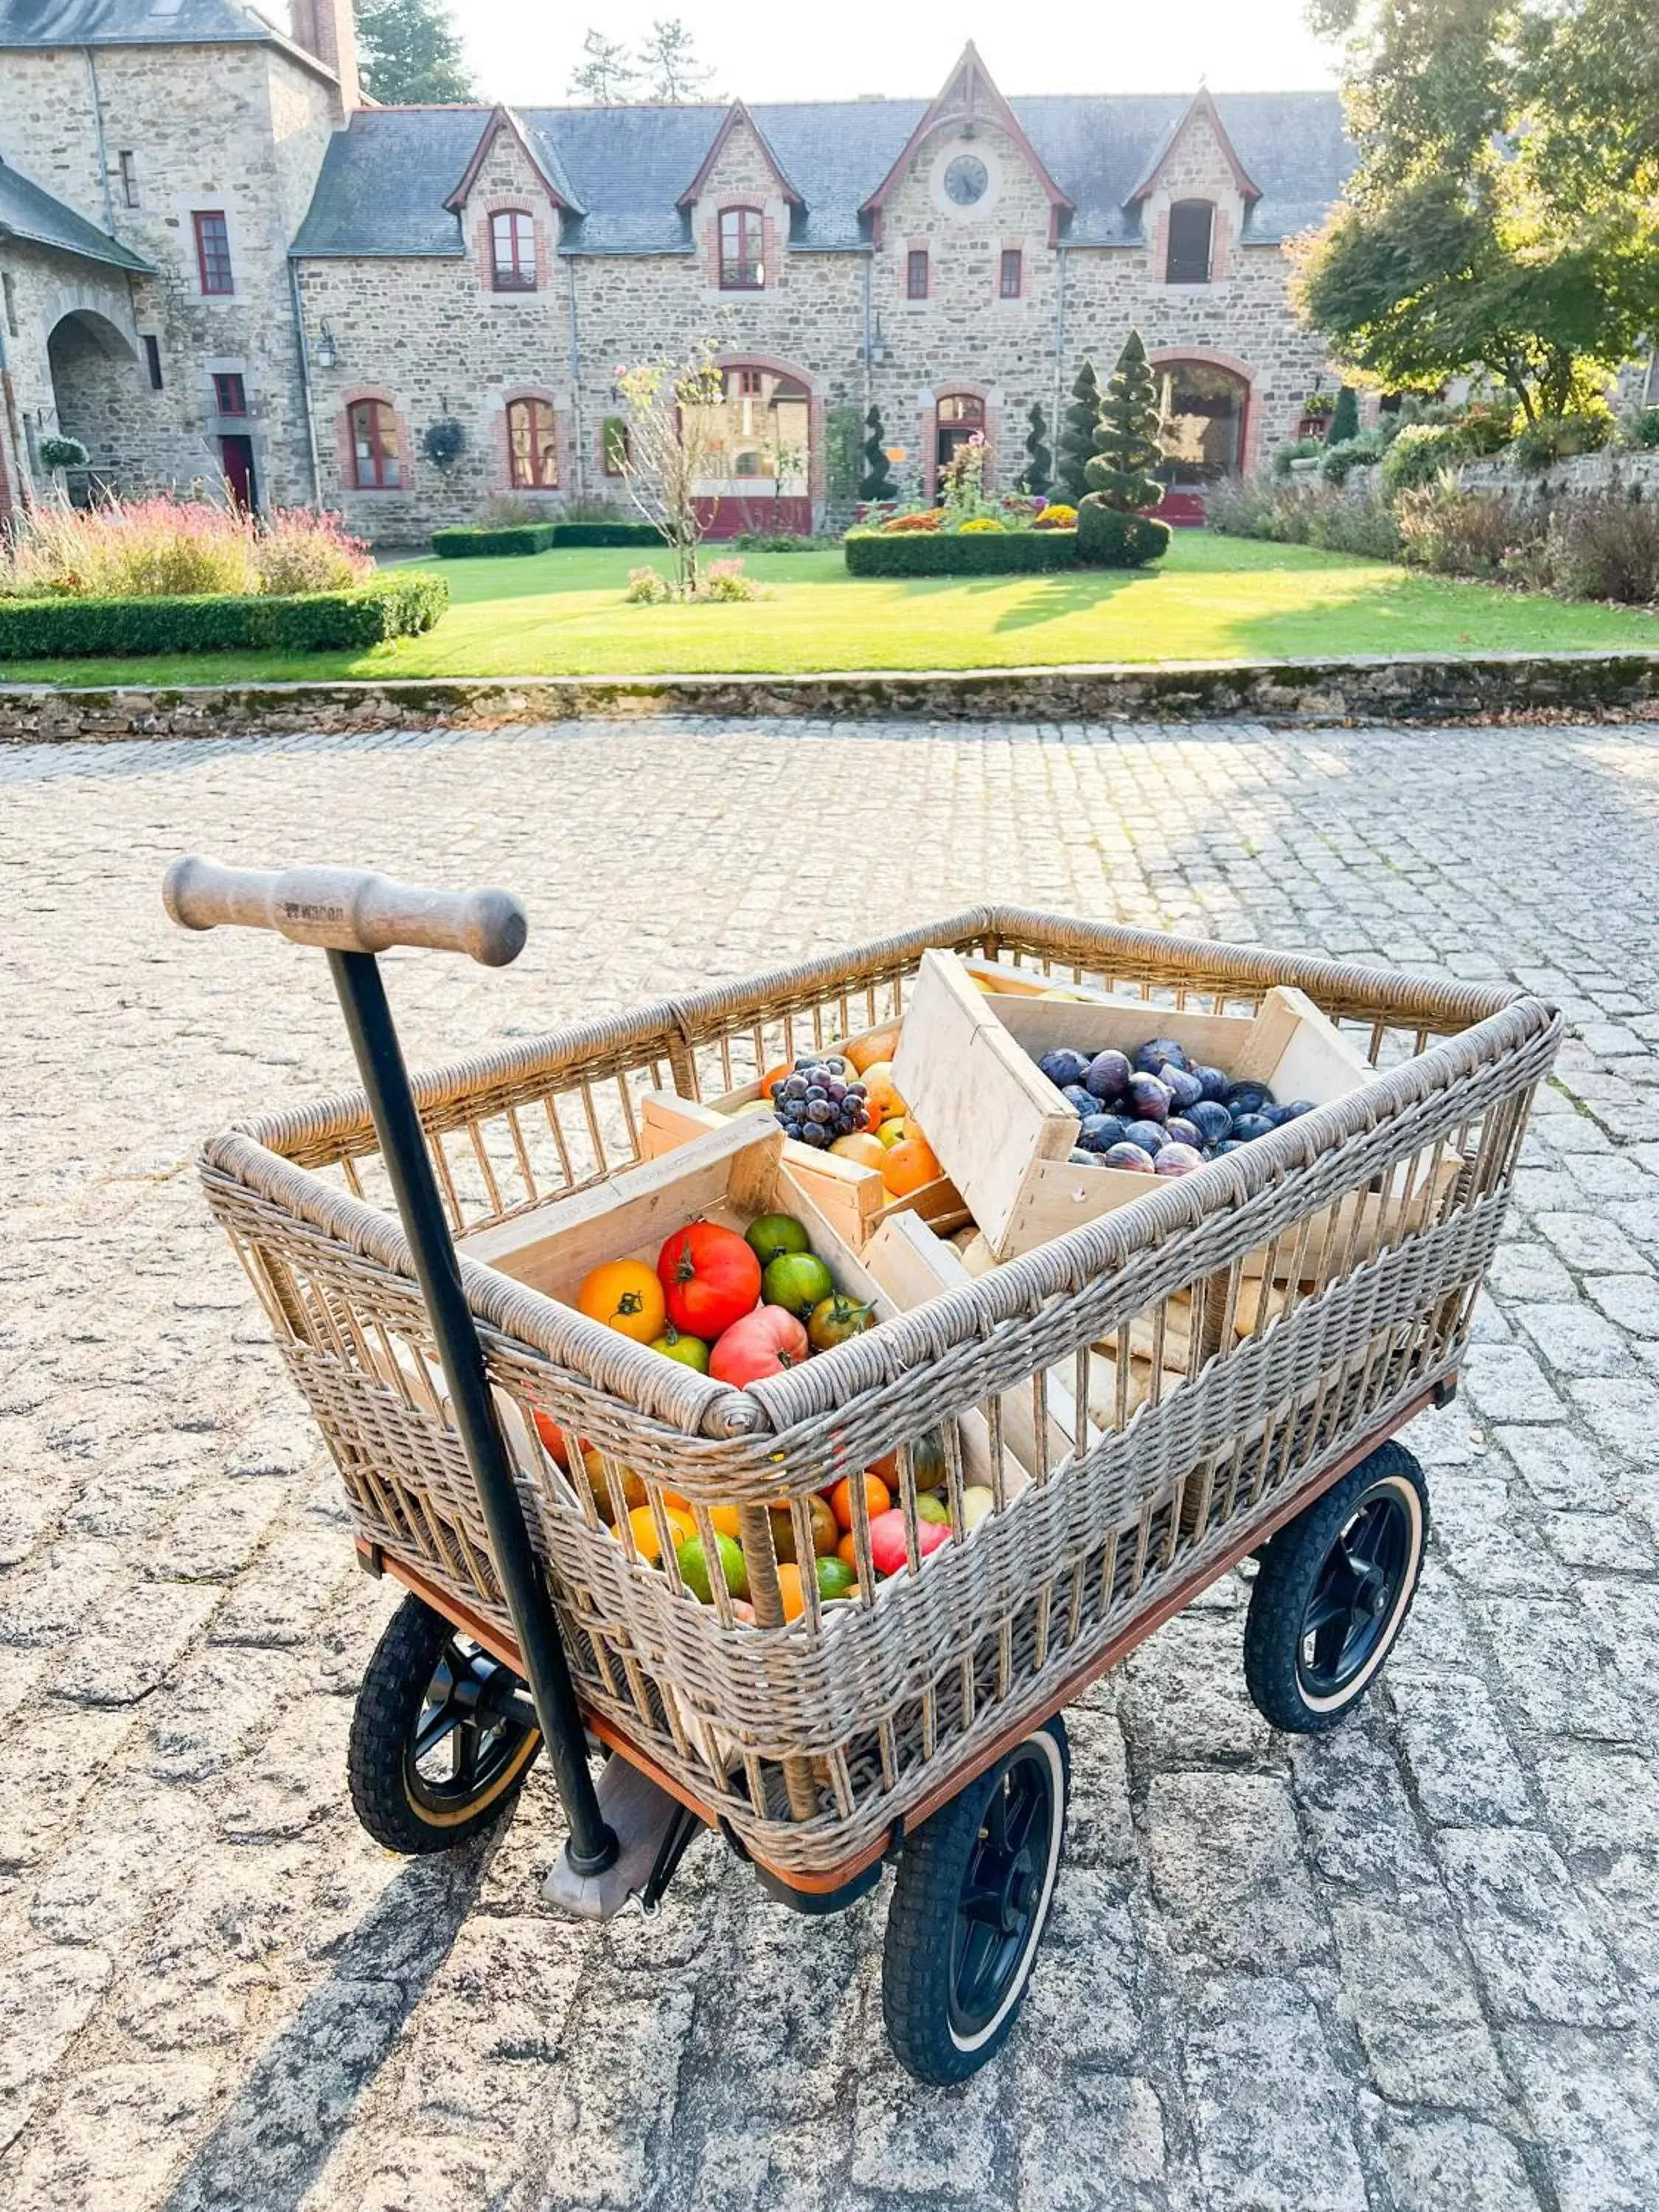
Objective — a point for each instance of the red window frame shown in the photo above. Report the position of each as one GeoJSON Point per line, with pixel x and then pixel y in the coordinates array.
{"type": "Point", "coordinates": [532, 446]}
{"type": "Point", "coordinates": [213, 253]}
{"type": "Point", "coordinates": [513, 250]}
{"type": "Point", "coordinates": [375, 465]}
{"type": "Point", "coordinates": [742, 246]}
{"type": "Point", "coordinates": [1011, 278]}
{"type": "Point", "coordinates": [230, 393]}
{"type": "Point", "coordinates": [918, 270]}
{"type": "Point", "coordinates": [1183, 267]}
{"type": "Point", "coordinates": [751, 384]}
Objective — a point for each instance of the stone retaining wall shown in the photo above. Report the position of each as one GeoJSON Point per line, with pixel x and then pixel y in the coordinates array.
{"type": "Point", "coordinates": [1479, 688]}
{"type": "Point", "coordinates": [1575, 478]}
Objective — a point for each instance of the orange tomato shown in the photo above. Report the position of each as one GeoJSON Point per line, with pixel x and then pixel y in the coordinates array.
{"type": "Point", "coordinates": [881, 1101]}
{"type": "Point", "coordinates": [725, 1517]}
{"type": "Point", "coordinates": [789, 1589]}
{"type": "Point", "coordinates": [626, 1296]}
{"type": "Point", "coordinates": [646, 1542]}
{"type": "Point", "coordinates": [552, 1436]}
{"type": "Point", "coordinates": [878, 1497]}
{"type": "Point", "coordinates": [867, 1150]}
{"type": "Point", "coordinates": [847, 1550]}
{"type": "Point", "coordinates": [909, 1165]}
{"type": "Point", "coordinates": [865, 1052]}
{"type": "Point", "coordinates": [784, 1069]}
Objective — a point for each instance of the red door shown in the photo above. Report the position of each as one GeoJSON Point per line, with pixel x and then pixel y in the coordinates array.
{"type": "Point", "coordinates": [236, 457]}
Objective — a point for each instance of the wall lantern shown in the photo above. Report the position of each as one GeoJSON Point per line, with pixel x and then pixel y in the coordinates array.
{"type": "Point", "coordinates": [327, 353]}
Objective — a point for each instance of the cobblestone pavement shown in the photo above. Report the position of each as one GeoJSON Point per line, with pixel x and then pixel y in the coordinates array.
{"type": "Point", "coordinates": [1409, 1966]}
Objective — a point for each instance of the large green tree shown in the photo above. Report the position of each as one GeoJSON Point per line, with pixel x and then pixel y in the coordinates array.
{"type": "Point", "coordinates": [669, 59]}
{"type": "Point", "coordinates": [1076, 436]}
{"type": "Point", "coordinates": [1505, 215]}
{"type": "Point", "coordinates": [410, 53]}
{"type": "Point", "coordinates": [604, 73]}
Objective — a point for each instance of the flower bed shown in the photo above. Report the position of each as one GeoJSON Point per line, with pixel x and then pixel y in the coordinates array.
{"type": "Point", "coordinates": [959, 552]}
{"type": "Point", "coordinates": [396, 605]}
{"type": "Point", "coordinates": [538, 537]}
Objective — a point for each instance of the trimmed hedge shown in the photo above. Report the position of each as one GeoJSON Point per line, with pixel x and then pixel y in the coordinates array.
{"type": "Point", "coordinates": [1107, 539]}
{"type": "Point", "coordinates": [538, 537]}
{"type": "Point", "coordinates": [316, 622]}
{"type": "Point", "coordinates": [977, 553]}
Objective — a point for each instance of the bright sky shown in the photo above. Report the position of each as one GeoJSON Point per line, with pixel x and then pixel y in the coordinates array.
{"type": "Point", "coordinates": [836, 51]}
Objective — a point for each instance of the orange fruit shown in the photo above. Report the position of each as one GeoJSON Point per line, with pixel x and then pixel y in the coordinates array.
{"type": "Point", "coordinates": [867, 1051]}
{"type": "Point", "coordinates": [789, 1590]}
{"type": "Point", "coordinates": [881, 1100]}
{"type": "Point", "coordinates": [877, 1496]}
{"type": "Point", "coordinates": [646, 1542]}
{"type": "Point", "coordinates": [848, 1551]}
{"type": "Point", "coordinates": [781, 1073]}
{"type": "Point", "coordinates": [910, 1163]}
{"type": "Point", "coordinates": [552, 1436]}
{"type": "Point", "coordinates": [725, 1517]}
{"type": "Point", "coordinates": [626, 1296]}
{"type": "Point", "coordinates": [867, 1150]}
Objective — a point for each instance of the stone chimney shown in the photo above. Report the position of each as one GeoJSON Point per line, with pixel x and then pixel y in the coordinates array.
{"type": "Point", "coordinates": [328, 29]}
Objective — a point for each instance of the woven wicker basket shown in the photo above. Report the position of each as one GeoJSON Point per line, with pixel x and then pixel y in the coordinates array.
{"type": "Point", "coordinates": [1230, 1388]}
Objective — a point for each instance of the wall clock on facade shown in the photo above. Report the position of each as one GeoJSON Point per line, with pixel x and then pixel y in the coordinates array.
{"type": "Point", "coordinates": [965, 179]}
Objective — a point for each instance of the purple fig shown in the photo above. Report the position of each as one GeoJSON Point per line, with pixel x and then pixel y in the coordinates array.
{"type": "Point", "coordinates": [1178, 1160]}
{"type": "Point", "coordinates": [1108, 1075]}
{"type": "Point", "coordinates": [1149, 1098]}
{"type": "Point", "coordinates": [1130, 1158]}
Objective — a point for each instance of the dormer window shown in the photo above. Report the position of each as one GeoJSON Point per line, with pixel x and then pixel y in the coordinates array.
{"type": "Point", "coordinates": [742, 267]}
{"type": "Point", "coordinates": [1192, 224]}
{"type": "Point", "coordinates": [512, 248]}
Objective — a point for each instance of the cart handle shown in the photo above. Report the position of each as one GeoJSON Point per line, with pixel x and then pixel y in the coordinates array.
{"type": "Point", "coordinates": [347, 909]}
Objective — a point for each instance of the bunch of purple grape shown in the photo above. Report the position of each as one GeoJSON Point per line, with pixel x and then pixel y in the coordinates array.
{"type": "Point", "coordinates": [823, 1100]}
{"type": "Point", "coordinates": [1158, 1114]}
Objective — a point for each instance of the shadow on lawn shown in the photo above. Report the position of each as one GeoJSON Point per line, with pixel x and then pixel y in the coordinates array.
{"type": "Point", "coordinates": [1058, 596]}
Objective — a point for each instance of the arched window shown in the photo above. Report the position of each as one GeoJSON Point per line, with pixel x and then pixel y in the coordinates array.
{"type": "Point", "coordinates": [741, 268]}
{"type": "Point", "coordinates": [1203, 409]}
{"type": "Point", "coordinates": [375, 465]}
{"type": "Point", "coordinates": [512, 248]}
{"type": "Point", "coordinates": [532, 446]}
{"type": "Point", "coordinates": [1192, 223]}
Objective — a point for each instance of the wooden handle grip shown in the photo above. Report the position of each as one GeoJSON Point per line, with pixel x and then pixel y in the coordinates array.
{"type": "Point", "coordinates": [347, 909]}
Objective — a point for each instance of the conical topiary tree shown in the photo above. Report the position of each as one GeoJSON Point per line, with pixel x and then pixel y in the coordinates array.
{"type": "Point", "coordinates": [1076, 436]}
{"type": "Point", "coordinates": [1113, 526]}
{"type": "Point", "coordinates": [877, 482]}
{"type": "Point", "coordinates": [1038, 472]}
{"type": "Point", "coordinates": [1344, 418]}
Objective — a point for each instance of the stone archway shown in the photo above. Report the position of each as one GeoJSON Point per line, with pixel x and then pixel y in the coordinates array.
{"type": "Point", "coordinates": [97, 387]}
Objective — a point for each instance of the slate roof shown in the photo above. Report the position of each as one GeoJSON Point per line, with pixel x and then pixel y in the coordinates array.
{"type": "Point", "coordinates": [384, 182]}
{"type": "Point", "coordinates": [126, 23]}
{"type": "Point", "coordinates": [28, 213]}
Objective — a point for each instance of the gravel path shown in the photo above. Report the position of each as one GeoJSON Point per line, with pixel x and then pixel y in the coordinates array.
{"type": "Point", "coordinates": [1407, 1967]}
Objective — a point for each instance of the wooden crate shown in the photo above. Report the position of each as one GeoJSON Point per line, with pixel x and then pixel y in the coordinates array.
{"type": "Point", "coordinates": [966, 1065]}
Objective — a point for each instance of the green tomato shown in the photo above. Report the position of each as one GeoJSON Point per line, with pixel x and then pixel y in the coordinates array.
{"type": "Point", "coordinates": [690, 1351]}
{"type": "Point", "coordinates": [930, 1506]}
{"type": "Point", "coordinates": [694, 1568]}
{"type": "Point", "coordinates": [834, 1319]}
{"type": "Point", "coordinates": [835, 1578]}
{"type": "Point", "coordinates": [770, 1235]}
{"type": "Point", "coordinates": [797, 1281]}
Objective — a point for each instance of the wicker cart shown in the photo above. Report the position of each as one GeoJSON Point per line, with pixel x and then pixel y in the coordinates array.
{"type": "Point", "coordinates": [1150, 1398]}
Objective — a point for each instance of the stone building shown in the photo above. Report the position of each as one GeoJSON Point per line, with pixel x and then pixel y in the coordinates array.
{"type": "Point", "coordinates": [220, 262]}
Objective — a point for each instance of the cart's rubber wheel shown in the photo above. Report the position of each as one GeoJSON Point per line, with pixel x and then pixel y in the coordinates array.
{"type": "Point", "coordinates": [441, 1738]}
{"type": "Point", "coordinates": [1333, 1591]}
{"type": "Point", "coordinates": [969, 1904]}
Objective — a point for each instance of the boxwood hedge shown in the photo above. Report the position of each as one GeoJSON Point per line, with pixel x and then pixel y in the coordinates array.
{"type": "Point", "coordinates": [394, 605]}
{"type": "Point", "coordinates": [959, 553]}
{"type": "Point", "coordinates": [538, 537]}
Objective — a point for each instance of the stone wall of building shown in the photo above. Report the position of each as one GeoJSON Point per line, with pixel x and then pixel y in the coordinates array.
{"type": "Point", "coordinates": [239, 130]}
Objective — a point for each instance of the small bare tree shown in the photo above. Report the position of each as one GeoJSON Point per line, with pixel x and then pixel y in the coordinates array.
{"type": "Point", "coordinates": [671, 403]}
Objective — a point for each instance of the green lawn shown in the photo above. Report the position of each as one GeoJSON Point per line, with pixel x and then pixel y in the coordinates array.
{"type": "Point", "coordinates": [1213, 599]}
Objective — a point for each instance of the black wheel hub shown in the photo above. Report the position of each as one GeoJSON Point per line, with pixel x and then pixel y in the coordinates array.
{"type": "Point", "coordinates": [1002, 1890]}
{"type": "Point", "coordinates": [1355, 1595]}
{"type": "Point", "coordinates": [473, 1720]}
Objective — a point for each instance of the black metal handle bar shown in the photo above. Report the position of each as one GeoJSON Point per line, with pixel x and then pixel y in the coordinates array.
{"type": "Point", "coordinates": [352, 914]}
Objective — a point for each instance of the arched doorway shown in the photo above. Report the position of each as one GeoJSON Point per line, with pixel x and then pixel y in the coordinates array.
{"type": "Point", "coordinates": [759, 470]}
{"type": "Point", "coordinates": [1205, 409]}
{"type": "Point", "coordinates": [956, 417]}
{"type": "Point", "coordinates": [95, 385]}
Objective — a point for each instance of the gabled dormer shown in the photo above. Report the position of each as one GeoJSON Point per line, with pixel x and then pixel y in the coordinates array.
{"type": "Point", "coordinates": [967, 146]}
{"type": "Point", "coordinates": [509, 202]}
{"type": "Point", "coordinates": [740, 206]}
{"type": "Point", "coordinates": [1194, 199]}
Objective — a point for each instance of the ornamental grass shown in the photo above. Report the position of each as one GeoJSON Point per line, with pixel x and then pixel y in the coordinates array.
{"type": "Point", "coordinates": [177, 549]}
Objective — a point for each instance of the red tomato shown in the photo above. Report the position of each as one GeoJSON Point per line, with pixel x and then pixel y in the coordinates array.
{"type": "Point", "coordinates": [759, 1345]}
{"type": "Point", "coordinates": [887, 1546]}
{"type": "Point", "coordinates": [551, 1435]}
{"type": "Point", "coordinates": [709, 1278]}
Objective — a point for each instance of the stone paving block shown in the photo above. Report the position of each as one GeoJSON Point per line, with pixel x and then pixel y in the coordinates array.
{"type": "Point", "coordinates": [1271, 2113]}
{"type": "Point", "coordinates": [1561, 1468]}
{"type": "Point", "coordinates": [1227, 1869]}
{"type": "Point", "coordinates": [1362, 1830]}
{"type": "Point", "coordinates": [940, 2146]}
{"type": "Point", "coordinates": [600, 2126]}
{"type": "Point", "coordinates": [1593, 2100]}
{"type": "Point", "coordinates": [141, 1634]}
{"type": "Point", "coordinates": [1181, 1696]}
{"type": "Point", "coordinates": [1590, 1243]}
{"type": "Point", "coordinates": [1505, 1382]}
{"type": "Point", "coordinates": [49, 1756]}
{"type": "Point", "coordinates": [1091, 2143]}
{"type": "Point", "coordinates": [220, 1703]}
{"type": "Point", "coordinates": [1099, 1826]}
{"type": "Point", "coordinates": [1435, 2062]}
{"type": "Point", "coordinates": [1485, 1544]}
{"type": "Point", "coordinates": [1552, 1670]}
{"type": "Point", "coordinates": [1465, 1769]}
{"type": "Point", "coordinates": [1573, 1340]}
{"type": "Point", "coordinates": [1086, 2000]}
{"type": "Point", "coordinates": [1437, 2161]}
{"type": "Point", "coordinates": [217, 1530]}
{"type": "Point", "coordinates": [1600, 1799]}
{"type": "Point", "coordinates": [136, 1847]}
{"type": "Point", "coordinates": [46, 1996]}
{"type": "Point", "coordinates": [1611, 1543]}
{"type": "Point", "coordinates": [117, 2140]}
{"type": "Point", "coordinates": [1624, 1413]}
{"type": "Point", "coordinates": [1533, 1943]}
{"type": "Point", "coordinates": [501, 1996]}
{"type": "Point", "coordinates": [1529, 1271]}
{"type": "Point", "coordinates": [1629, 1301]}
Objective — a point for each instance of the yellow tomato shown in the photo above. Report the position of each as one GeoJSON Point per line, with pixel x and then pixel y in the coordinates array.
{"type": "Point", "coordinates": [789, 1590]}
{"type": "Point", "coordinates": [646, 1542]}
{"type": "Point", "coordinates": [626, 1296]}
